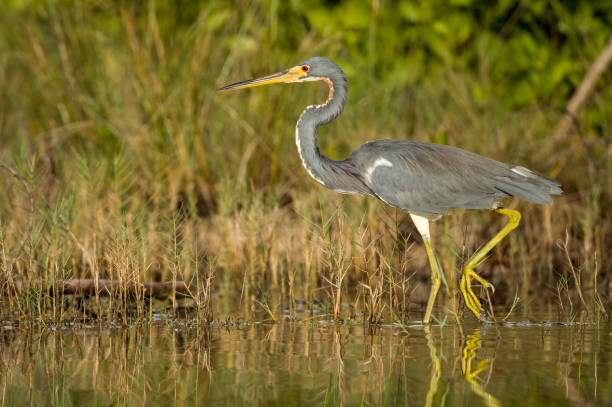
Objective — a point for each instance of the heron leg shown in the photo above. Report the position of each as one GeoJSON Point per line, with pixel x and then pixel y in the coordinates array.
{"type": "Point", "coordinates": [436, 279]}
{"type": "Point", "coordinates": [422, 225]}
{"type": "Point", "coordinates": [472, 302]}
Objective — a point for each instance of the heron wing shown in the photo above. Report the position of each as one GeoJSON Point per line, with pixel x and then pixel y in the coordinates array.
{"type": "Point", "coordinates": [427, 179]}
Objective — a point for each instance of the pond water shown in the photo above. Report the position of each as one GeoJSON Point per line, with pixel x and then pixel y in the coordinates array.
{"type": "Point", "coordinates": [177, 362]}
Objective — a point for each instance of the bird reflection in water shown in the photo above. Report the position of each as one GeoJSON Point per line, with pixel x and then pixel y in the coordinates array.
{"type": "Point", "coordinates": [436, 369]}
{"type": "Point", "coordinates": [470, 372]}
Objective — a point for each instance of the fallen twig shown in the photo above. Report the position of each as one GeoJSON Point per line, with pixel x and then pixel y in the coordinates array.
{"type": "Point", "coordinates": [583, 92]}
{"type": "Point", "coordinates": [106, 287]}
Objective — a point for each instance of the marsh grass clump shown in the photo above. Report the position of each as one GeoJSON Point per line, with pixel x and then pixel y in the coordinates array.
{"type": "Point", "coordinates": [140, 174]}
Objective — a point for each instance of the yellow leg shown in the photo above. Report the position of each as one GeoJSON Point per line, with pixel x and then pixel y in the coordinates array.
{"type": "Point", "coordinates": [472, 302]}
{"type": "Point", "coordinates": [436, 279]}
{"type": "Point", "coordinates": [422, 225]}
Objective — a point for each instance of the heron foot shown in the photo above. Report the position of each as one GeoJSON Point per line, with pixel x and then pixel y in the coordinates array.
{"type": "Point", "coordinates": [471, 300]}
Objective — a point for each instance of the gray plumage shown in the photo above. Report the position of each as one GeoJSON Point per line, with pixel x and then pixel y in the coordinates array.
{"type": "Point", "coordinates": [425, 179]}
{"type": "Point", "coordinates": [422, 178]}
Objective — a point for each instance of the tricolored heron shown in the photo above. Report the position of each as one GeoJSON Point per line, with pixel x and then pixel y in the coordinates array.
{"type": "Point", "coordinates": [424, 179]}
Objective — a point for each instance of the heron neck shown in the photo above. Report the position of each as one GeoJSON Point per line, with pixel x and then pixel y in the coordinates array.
{"type": "Point", "coordinates": [318, 165]}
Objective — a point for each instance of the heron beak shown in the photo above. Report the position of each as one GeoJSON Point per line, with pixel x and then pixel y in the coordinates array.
{"type": "Point", "coordinates": [287, 76]}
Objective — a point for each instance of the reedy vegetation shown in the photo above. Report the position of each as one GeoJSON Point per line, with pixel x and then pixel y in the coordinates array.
{"type": "Point", "coordinates": [141, 172]}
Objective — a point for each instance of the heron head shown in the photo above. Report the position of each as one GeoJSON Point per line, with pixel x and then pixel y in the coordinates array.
{"type": "Point", "coordinates": [313, 69]}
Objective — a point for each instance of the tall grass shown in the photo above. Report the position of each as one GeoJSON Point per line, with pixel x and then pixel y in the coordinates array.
{"type": "Point", "coordinates": [141, 172]}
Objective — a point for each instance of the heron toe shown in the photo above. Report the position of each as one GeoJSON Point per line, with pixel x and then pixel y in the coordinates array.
{"type": "Point", "coordinates": [471, 300]}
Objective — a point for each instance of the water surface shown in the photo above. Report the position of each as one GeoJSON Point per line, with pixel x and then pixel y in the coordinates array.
{"type": "Point", "coordinates": [179, 362]}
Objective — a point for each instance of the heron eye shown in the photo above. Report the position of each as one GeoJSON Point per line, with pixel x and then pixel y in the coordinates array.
{"type": "Point", "coordinates": [305, 68]}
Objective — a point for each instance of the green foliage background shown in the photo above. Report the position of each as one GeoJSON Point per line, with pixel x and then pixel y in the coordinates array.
{"type": "Point", "coordinates": [509, 54]}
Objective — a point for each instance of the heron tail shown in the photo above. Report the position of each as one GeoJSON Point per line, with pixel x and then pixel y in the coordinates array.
{"type": "Point", "coordinates": [529, 186]}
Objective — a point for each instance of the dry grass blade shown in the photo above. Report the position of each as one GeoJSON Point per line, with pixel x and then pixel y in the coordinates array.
{"type": "Point", "coordinates": [564, 246]}
{"type": "Point", "coordinates": [28, 228]}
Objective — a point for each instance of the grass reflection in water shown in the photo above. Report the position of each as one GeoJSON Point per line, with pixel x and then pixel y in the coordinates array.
{"type": "Point", "coordinates": [293, 364]}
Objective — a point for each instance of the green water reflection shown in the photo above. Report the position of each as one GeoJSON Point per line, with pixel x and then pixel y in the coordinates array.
{"type": "Point", "coordinates": [292, 364]}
